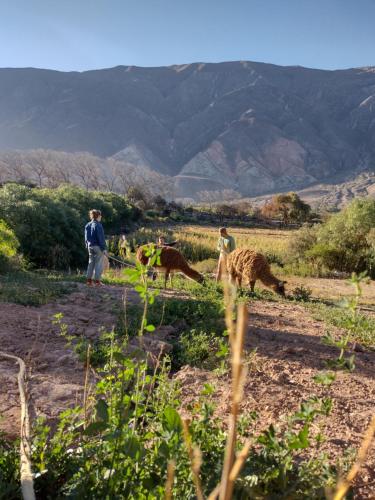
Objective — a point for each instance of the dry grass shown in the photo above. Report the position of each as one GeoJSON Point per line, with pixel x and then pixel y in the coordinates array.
{"type": "Point", "coordinates": [199, 243]}
{"type": "Point", "coordinates": [262, 240]}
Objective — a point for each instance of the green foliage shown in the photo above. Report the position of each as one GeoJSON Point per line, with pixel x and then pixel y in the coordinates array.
{"type": "Point", "coordinates": [272, 471]}
{"type": "Point", "coordinates": [8, 246]}
{"type": "Point", "coordinates": [49, 222]}
{"type": "Point", "coordinates": [357, 327]}
{"type": "Point", "coordinates": [325, 378]}
{"type": "Point", "coordinates": [301, 293]}
{"type": "Point", "coordinates": [343, 243]}
{"type": "Point", "coordinates": [340, 317]}
{"type": "Point", "coordinates": [9, 470]}
{"type": "Point", "coordinates": [196, 348]}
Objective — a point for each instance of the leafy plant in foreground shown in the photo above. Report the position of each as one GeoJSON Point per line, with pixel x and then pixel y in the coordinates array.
{"type": "Point", "coordinates": [351, 305]}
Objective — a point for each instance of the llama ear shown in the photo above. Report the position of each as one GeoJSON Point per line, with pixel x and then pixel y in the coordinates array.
{"type": "Point", "coordinates": [285, 282]}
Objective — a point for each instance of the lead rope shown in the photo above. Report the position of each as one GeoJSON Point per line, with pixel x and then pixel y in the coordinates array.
{"type": "Point", "coordinates": [26, 475]}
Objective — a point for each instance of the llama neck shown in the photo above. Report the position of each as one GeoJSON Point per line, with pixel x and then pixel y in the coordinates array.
{"type": "Point", "coordinates": [269, 279]}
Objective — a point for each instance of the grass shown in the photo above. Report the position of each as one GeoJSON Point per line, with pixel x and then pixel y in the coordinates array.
{"type": "Point", "coordinates": [364, 331]}
{"type": "Point", "coordinates": [31, 289]}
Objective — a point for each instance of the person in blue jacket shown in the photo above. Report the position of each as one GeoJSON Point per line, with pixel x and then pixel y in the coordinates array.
{"type": "Point", "coordinates": [96, 246]}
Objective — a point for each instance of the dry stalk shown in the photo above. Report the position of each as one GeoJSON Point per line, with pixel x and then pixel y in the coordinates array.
{"type": "Point", "coordinates": [240, 460]}
{"type": "Point", "coordinates": [236, 469]}
{"type": "Point", "coordinates": [229, 297]}
{"type": "Point", "coordinates": [85, 391]}
{"type": "Point", "coordinates": [26, 475]}
{"type": "Point", "coordinates": [214, 493]}
{"type": "Point", "coordinates": [345, 483]}
{"type": "Point", "coordinates": [195, 459]}
{"type": "Point", "coordinates": [227, 483]}
{"type": "Point", "coordinates": [170, 478]}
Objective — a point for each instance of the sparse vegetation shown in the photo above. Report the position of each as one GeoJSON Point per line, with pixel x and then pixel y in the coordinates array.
{"type": "Point", "coordinates": [30, 289]}
{"type": "Point", "coordinates": [122, 446]}
{"type": "Point", "coordinates": [120, 441]}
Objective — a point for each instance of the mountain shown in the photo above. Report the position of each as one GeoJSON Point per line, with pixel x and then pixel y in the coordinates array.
{"type": "Point", "coordinates": [330, 197]}
{"type": "Point", "coordinates": [251, 127]}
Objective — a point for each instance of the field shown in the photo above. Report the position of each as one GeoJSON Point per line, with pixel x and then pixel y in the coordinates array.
{"type": "Point", "coordinates": [199, 242]}
{"type": "Point", "coordinates": [303, 409]}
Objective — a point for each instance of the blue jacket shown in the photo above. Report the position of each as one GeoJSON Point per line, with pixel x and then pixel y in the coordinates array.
{"type": "Point", "coordinates": [94, 235]}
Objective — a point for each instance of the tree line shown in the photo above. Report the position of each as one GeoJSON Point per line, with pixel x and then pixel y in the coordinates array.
{"type": "Point", "coordinates": [50, 169]}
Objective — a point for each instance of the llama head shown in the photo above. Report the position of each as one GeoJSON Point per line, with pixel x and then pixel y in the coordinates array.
{"type": "Point", "coordinates": [280, 288]}
{"type": "Point", "coordinates": [202, 281]}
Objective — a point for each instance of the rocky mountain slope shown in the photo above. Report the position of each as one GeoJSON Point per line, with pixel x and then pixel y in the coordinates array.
{"type": "Point", "coordinates": [331, 196]}
{"type": "Point", "coordinates": [252, 127]}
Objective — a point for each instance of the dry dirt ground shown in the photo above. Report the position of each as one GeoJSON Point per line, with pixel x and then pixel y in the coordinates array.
{"type": "Point", "coordinates": [55, 374]}
{"type": "Point", "coordinates": [283, 350]}
{"type": "Point", "coordinates": [334, 289]}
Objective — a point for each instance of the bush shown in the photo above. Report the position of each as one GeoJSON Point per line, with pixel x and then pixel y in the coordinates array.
{"type": "Point", "coordinates": [8, 245]}
{"type": "Point", "coordinates": [197, 348]}
{"type": "Point", "coordinates": [343, 243]}
{"type": "Point", "coordinates": [301, 293]}
{"type": "Point", "coordinates": [49, 222]}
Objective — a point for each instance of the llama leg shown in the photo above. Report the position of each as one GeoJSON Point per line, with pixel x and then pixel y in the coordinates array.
{"type": "Point", "coordinates": [166, 276]}
{"type": "Point", "coordinates": [239, 281]}
{"type": "Point", "coordinates": [252, 286]}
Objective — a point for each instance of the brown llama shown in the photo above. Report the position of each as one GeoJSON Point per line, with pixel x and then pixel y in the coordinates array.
{"type": "Point", "coordinates": [170, 260]}
{"type": "Point", "coordinates": [245, 264]}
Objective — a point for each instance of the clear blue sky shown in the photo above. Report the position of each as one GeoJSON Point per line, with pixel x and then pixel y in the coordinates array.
{"type": "Point", "coordinates": [86, 34]}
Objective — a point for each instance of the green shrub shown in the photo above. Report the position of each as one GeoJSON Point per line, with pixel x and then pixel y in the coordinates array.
{"type": "Point", "coordinates": [9, 470]}
{"type": "Point", "coordinates": [49, 223]}
{"type": "Point", "coordinates": [197, 348]}
{"type": "Point", "coordinates": [8, 245]}
{"type": "Point", "coordinates": [301, 293]}
{"type": "Point", "coordinates": [344, 243]}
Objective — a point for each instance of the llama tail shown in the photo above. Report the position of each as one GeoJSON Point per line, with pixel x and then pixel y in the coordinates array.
{"type": "Point", "coordinates": [192, 273]}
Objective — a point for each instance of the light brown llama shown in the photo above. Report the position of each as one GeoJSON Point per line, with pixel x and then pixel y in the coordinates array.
{"type": "Point", "coordinates": [245, 264]}
{"type": "Point", "coordinates": [170, 260]}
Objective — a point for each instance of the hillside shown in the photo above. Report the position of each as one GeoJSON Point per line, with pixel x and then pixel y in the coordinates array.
{"type": "Point", "coordinates": [252, 127]}
{"type": "Point", "coordinates": [332, 196]}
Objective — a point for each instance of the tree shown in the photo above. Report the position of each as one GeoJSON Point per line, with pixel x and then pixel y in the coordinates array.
{"type": "Point", "coordinates": [226, 211]}
{"type": "Point", "coordinates": [159, 203]}
{"type": "Point", "coordinates": [345, 242]}
{"type": "Point", "coordinates": [288, 207]}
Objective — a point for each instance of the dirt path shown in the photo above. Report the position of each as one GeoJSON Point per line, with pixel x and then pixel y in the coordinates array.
{"type": "Point", "coordinates": [284, 351]}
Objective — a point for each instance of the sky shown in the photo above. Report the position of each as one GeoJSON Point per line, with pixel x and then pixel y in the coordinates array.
{"type": "Point", "coordinates": [76, 35]}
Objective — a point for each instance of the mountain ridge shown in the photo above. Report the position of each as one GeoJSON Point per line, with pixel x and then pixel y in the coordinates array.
{"type": "Point", "coordinates": [250, 126]}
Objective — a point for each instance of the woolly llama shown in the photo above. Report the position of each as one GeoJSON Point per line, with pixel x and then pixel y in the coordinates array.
{"type": "Point", "coordinates": [170, 260]}
{"type": "Point", "coordinates": [245, 264]}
